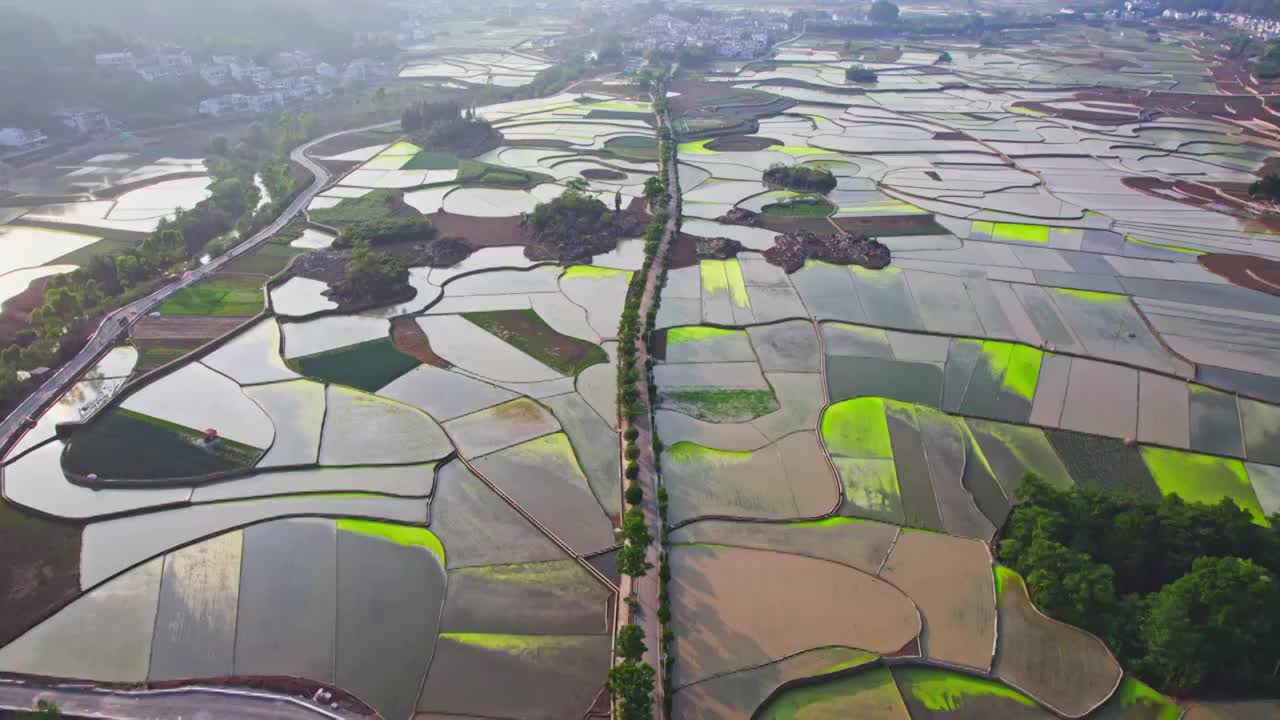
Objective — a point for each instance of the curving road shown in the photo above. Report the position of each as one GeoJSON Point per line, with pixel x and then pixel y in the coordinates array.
{"type": "Point", "coordinates": [116, 324]}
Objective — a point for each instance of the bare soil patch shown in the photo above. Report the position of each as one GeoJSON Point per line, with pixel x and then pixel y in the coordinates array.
{"type": "Point", "coordinates": [725, 619]}
{"type": "Point", "coordinates": [683, 251]}
{"type": "Point", "coordinates": [950, 580]}
{"type": "Point", "coordinates": [408, 337]}
{"type": "Point", "coordinates": [1062, 666]}
{"type": "Point", "coordinates": [602, 174]}
{"type": "Point", "coordinates": [741, 143]}
{"type": "Point", "coordinates": [186, 327]}
{"type": "Point", "coordinates": [483, 232]}
{"type": "Point", "coordinates": [1255, 273]}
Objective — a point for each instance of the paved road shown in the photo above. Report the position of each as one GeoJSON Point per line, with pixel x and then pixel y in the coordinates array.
{"type": "Point", "coordinates": [116, 324]}
{"type": "Point", "coordinates": [195, 703]}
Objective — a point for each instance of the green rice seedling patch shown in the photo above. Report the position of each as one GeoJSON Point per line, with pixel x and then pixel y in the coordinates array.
{"type": "Point", "coordinates": [725, 275]}
{"type": "Point", "coordinates": [402, 147]}
{"type": "Point", "coordinates": [871, 488]}
{"type": "Point", "coordinates": [948, 691]}
{"type": "Point", "coordinates": [1004, 578]}
{"type": "Point", "coordinates": [1135, 700]}
{"type": "Point", "coordinates": [737, 284]}
{"type": "Point", "coordinates": [1021, 232]}
{"type": "Point", "coordinates": [1163, 246]}
{"type": "Point", "coordinates": [857, 429]}
{"type": "Point", "coordinates": [564, 574]}
{"type": "Point", "coordinates": [633, 147]}
{"type": "Point", "coordinates": [367, 366]}
{"type": "Point", "coordinates": [800, 207]}
{"type": "Point", "coordinates": [720, 404]}
{"type": "Point", "coordinates": [867, 695]}
{"type": "Point", "coordinates": [268, 258]}
{"type": "Point", "coordinates": [1023, 373]}
{"type": "Point", "coordinates": [713, 277]}
{"type": "Point", "coordinates": [517, 644]}
{"type": "Point", "coordinates": [429, 160]}
{"type": "Point", "coordinates": [1091, 295]}
{"type": "Point", "coordinates": [799, 150]}
{"type": "Point", "coordinates": [591, 272]}
{"type": "Point", "coordinates": [825, 522]}
{"type": "Point", "coordinates": [528, 332]}
{"type": "Point", "coordinates": [696, 147]}
{"type": "Point", "coordinates": [690, 453]}
{"type": "Point", "coordinates": [471, 172]}
{"type": "Point", "coordinates": [375, 205]}
{"type": "Point", "coordinates": [605, 114]}
{"type": "Point", "coordinates": [122, 444]}
{"type": "Point", "coordinates": [410, 535]}
{"type": "Point", "coordinates": [698, 334]}
{"type": "Point", "coordinates": [221, 294]}
{"type": "Point", "coordinates": [154, 353]}
{"type": "Point", "coordinates": [1202, 478]}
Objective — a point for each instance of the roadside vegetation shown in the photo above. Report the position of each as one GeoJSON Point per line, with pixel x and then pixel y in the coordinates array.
{"type": "Point", "coordinates": [1187, 595]}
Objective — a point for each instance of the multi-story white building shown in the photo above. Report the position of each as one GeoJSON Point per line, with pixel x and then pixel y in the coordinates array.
{"type": "Point", "coordinates": [114, 59]}
{"type": "Point", "coordinates": [83, 120]}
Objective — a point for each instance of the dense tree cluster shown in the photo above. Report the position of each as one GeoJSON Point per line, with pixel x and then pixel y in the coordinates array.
{"type": "Point", "coordinates": [882, 12]}
{"type": "Point", "coordinates": [385, 232]}
{"type": "Point", "coordinates": [1185, 594]}
{"type": "Point", "coordinates": [576, 225]}
{"type": "Point", "coordinates": [1267, 188]}
{"type": "Point", "coordinates": [372, 276]}
{"type": "Point", "coordinates": [800, 178]}
{"type": "Point", "coordinates": [448, 126]}
{"type": "Point", "coordinates": [860, 74]}
{"type": "Point", "coordinates": [1268, 67]}
{"type": "Point", "coordinates": [73, 302]}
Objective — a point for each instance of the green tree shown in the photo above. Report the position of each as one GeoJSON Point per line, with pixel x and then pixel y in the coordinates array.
{"type": "Point", "coordinates": [372, 275]}
{"type": "Point", "coordinates": [1216, 629]}
{"type": "Point", "coordinates": [883, 12]}
{"type": "Point", "coordinates": [631, 561]}
{"type": "Point", "coordinates": [1268, 188]}
{"type": "Point", "coordinates": [631, 684]}
{"type": "Point", "coordinates": [860, 74]}
{"type": "Point", "coordinates": [630, 645]}
{"type": "Point", "coordinates": [634, 528]}
{"type": "Point", "coordinates": [61, 310]}
{"type": "Point", "coordinates": [654, 189]}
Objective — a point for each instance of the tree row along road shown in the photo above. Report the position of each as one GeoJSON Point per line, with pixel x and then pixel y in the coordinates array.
{"type": "Point", "coordinates": [118, 322]}
{"type": "Point", "coordinates": [646, 587]}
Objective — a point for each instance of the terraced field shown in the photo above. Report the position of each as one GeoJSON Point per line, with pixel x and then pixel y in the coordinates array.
{"type": "Point", "coordinates": [1046, 310]}
{"type": "Point", "coordinates": [418, 502]}
{"type": "Point", "coordinates": [265, 506]}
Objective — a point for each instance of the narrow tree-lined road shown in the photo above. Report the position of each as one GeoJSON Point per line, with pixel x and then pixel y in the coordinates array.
{"type": "Point", "coordinates": [116, 324]}
{"type": "Point", "coordinates": [647, 588]}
